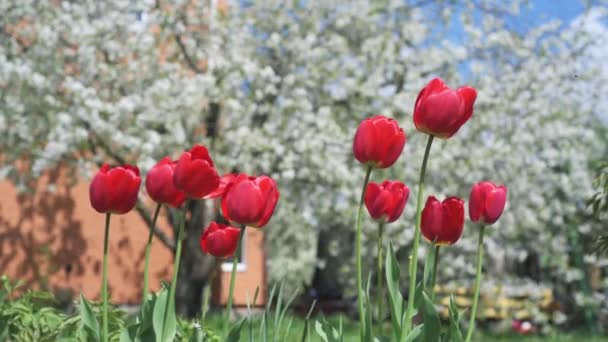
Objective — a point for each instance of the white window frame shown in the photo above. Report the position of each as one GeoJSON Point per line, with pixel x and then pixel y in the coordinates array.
{"type": "Point", "coordinates": [241, 266]}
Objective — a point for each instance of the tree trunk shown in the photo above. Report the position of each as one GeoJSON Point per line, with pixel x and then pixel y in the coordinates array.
{"type": "Point", "coordinates": [195, 267]}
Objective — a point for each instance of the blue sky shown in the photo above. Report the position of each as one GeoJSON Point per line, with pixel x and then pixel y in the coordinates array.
{"type": "Point", "coordinates": [541, 11]}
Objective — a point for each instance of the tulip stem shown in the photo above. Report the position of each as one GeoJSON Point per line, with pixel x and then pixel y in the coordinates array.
{"type": "Point", "coordinates": [235, 261]}
{"type": "Point", "coordinates": [477, 285]}
{"type": "Point", "coordinates": [434, 273]}
{"type": "Point", "coordinates": [178, 255]}
{"type": "Point", "coordinates": [414, 254]}
{"type": "Point", "coordinates": [148, 248]}
{"type": "Point", "coordinates": [380, 276]}
{"type": "Point", "coordinates": [358, 255]}
{"type": "Point", "coordinates": [104, 281]}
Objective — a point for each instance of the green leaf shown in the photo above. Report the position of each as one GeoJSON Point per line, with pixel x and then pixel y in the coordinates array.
{"type": "Point", "coordinates": [428, 267]}
{"type": "Point", "coordinates": [394, 293]}
{"type": "Point", "coordinates": [413, 335]}
{"type": "Point", "coordinates": [454, 333]}
{"type": "Point", "coordinates": [235, 332]}
{"type": "Point", "coordinates": [88, 318]}
{"type": "Point", "coordinates": [164, 329]}
{"type": "Point", "coordinates": [432, 324]}
{"type": "Point", "coordinates": [145, 316]}
{"type": "Point", "coordinates": [307, 321]}
{"type": "Point", "coordinates": [367, 312]}
{"type": "Point", "coordinates": [128, 333]}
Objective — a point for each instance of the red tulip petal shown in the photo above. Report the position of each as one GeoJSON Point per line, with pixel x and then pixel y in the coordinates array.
{"type": "Point", "coordinates": [432, 219]}
{"type": "Point", "coordinates": [243, 203]}
{"type": "Point", "coordinates": [200, 152]}
{"type": "Point", "coordinates": [365, 142]}
{"type": "Point", "coordinates": [270, 194]}
{"type": "Point", "coordinates": [453, 211]}
{"type": "Point", "coordinates": [495, 204]}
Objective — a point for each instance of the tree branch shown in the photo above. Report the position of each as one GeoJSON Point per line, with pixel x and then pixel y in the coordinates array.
{"type": "Point", "coordinates": [187, 56]}
{"type": "Point", "coordinates": [145, 215]}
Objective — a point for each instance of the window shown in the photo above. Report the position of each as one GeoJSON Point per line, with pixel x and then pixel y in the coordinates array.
{"type": "Point", "coordinates": [242, 265]}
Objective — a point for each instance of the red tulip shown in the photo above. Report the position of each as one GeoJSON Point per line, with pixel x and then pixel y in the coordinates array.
{"type": "Point", "coordinates": [486, 202]}
{"type": "Point", "coordinates": [115, 190]}
{"type": "Point", "coordinates": [195, 174]}
{"type": "Point", "coordinates": [441, 111]}
{"type": "Point", "coordinates": [225, 181]}
{"type": "Point", "coordinates": [220, 240]}
{"type": "Point", "coordinates": [250, 200]}
{"type": "Point", "coordinates": [159, 184]}
{"type": "Point", "coordinates": [385, 202]}
{"type": "Point", "coordinates": [442, 222]}
{"type": "Point", "coordinates": [378, 142]}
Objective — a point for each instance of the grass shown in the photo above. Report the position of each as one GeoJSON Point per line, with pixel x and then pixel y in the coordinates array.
{"type": "Point", "coordinates": [293, 328]}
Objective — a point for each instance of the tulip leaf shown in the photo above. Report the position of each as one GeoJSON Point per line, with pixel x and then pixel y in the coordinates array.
{"type": "Point", "coordinates": [395, 298]}
{"type": "Point", "coordinates": [88, 318]}
{"type": "Point", "coordinates": [164, 327]}
{"type": "Point", "coordinates": [429, 261]}
{"type": "Point", "coordinates": [454, 333]}
{"type": "Point", "coordinates": [432, 324]}
{"type": "Point", "coordinates": [413, 335]}
{"type": "Point", "coordinates": [235, 332]}
{"type": "Point", "coordinates": [146, 314]}
{"type": "Point", "coordinates": [327, 332]}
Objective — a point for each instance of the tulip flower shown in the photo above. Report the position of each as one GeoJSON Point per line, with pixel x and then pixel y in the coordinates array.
{"type": "Point", "coordinates": [487, 202]}
{"type": "Point", "coordinates": [385, 202]}
{"type": "Point", "coordinates": [160, 186]}
{"type": "Point", "coordinates": [250, 200]}
{"type": "Point", "coordinates": [378, 142]}
{"type": "Point", "coordinates": [195, 174]}
{"type": "Point", "coordinates": [115, 190]}
{"type": "Point", "coordinates": [442, 222]}
{"type": "Point", "coordinates": [112, 191]}
{"type": "Point", "coordinates": [441, 111]}
{"type": "Point", "coordinates": [220, 240]}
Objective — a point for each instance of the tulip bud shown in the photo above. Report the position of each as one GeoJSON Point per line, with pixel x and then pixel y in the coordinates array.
{"type": "Point", "coordinates": [378, 142]}
{"type": "Point", "coordinates": [115, 190]}
{"type": "Point", "coordinates": [220, 240]}
{"type": "Point", "coordinates": [441, 111]}
{"type": "Point", "coordinates": [443, 222]}
{"type": "Point", "coordinates": [487, 202]}
{"type": "Point", "coordinates": [385, 202]}
{"type": "Point", "coordinates": [250, 201]}
{"type": "Point", "coordinates": [195, 174]}
{"type": "Point", "coordinates": [160, 186]}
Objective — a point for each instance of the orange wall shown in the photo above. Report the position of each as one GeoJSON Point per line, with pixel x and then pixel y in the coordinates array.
{"type": "Point", "coordinates": [57, 239]}
{"type": "Point", "coordinates": [247, 281]}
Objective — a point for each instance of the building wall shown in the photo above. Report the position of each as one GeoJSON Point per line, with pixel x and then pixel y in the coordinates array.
{"type": "Point", "coordinates": [54, 240]}
{"type": "Point", "coordinates": [251, 274]}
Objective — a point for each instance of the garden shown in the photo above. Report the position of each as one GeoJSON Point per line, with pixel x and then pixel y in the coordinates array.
{"type": "Point", "coordinates": [241, 171]}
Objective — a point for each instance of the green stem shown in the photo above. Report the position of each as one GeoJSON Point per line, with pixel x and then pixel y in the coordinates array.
{"type": "Point", "coordinates": [477, 285]}
{"type": "Point", "coordinates": [414, 254]}
{"type": "Point", "coordinates": [434, 274]}
{"type": "Point", "coordinates": [235, 262]}
{"type": "Point", "coordinates": [207, 294]}
{"type": "Point", "coordinates": [148, 248]}
{"type": "Point", "coordinates": [178, 255]}
{"type": "Point", "coordinates": [104, 281]}
{"type": "Point", "coordinates": [380, 276]}
{"type": "Point", "coordinates": [358, 254]}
